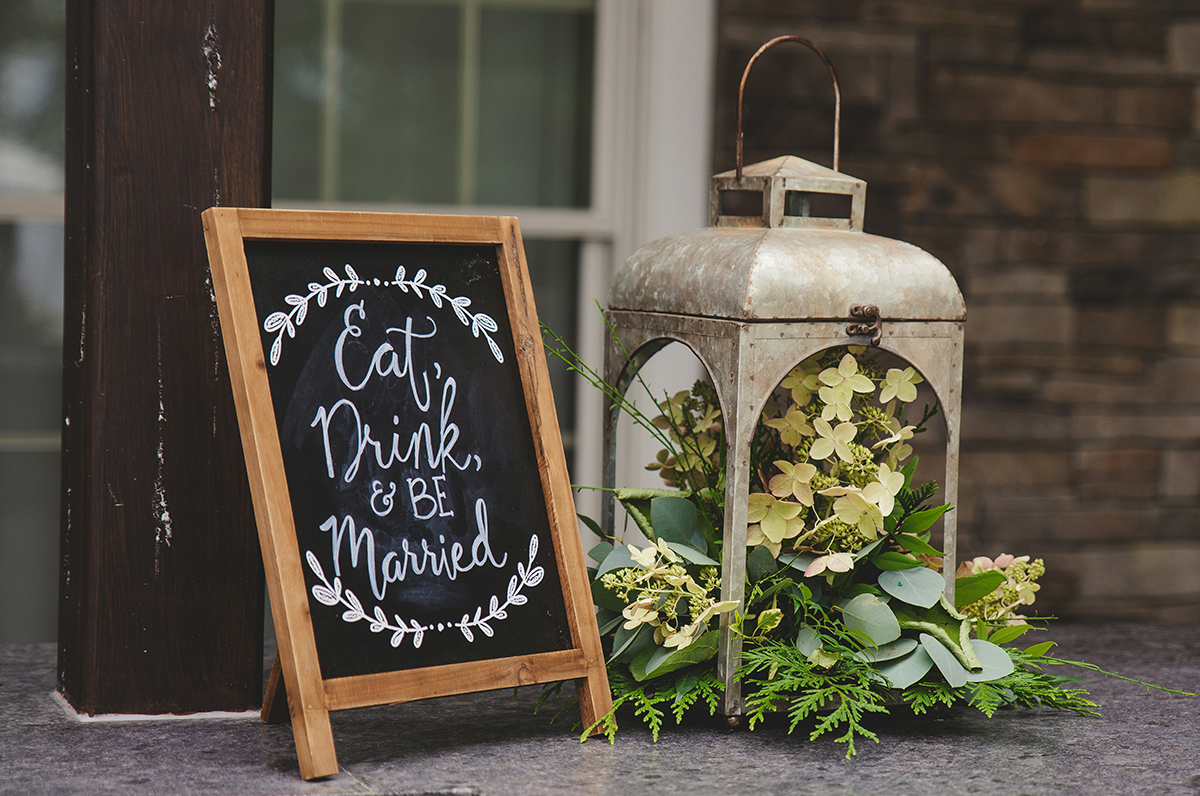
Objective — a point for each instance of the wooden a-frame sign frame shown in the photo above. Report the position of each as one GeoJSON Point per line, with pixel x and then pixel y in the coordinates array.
{"type": "Point", "coordinates": [309, 697]}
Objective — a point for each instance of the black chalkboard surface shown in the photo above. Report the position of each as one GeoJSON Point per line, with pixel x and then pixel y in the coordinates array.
{"type": "Point", "coordinates": [409, 483]}
{"type": "Point", "coordinates": [409, 455]}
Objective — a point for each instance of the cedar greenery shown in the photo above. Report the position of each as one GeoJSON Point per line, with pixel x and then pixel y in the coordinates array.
{"type": "Point", "coordinates": [682, 689]}
{"type": "Point", "coordinates": [782, 678]}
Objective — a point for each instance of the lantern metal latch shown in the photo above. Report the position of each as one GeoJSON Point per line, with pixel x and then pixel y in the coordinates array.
{"type": "Point", "coordinates": [870, 323]}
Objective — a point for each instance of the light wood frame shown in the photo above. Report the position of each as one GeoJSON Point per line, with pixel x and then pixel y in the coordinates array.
{"type": "Point", "coordinates": [309, 697]}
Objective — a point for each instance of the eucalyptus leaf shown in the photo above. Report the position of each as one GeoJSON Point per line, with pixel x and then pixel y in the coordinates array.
{"type": "Point", "coordinates": [807, 641]}
{"type": "Point", "coordinates": [759, 564]}
{"type": "Point", "coordinates": [637, 504]}
{"type": "Point", "coordinates": [619, 558]}
{"type": "Point", "coordinates": [921, 520]}
{"type": "Point", "coordinates": [866, 551]}
{"type": "Point", "coordinates": [903, 672]}
{"type": "Point", "coordinates": [690, 553]}
{"type": "Point", "coordinates": [653, 661]}
{"type": "Point", "coordinates": [869, 614]}
{"type": "Point", "coordinates": [591, 525]}
{"type": "Point", "coordinates": [921, 586]}
{"type": "Point", "coordinates": [944, 623]}
{"type": "Point", "coordinates": [607, 620]}
{"type": "Point", "coordinates": [892, 560]}
{"type": "Point", "coordinates": [886, 652]}
{"type": "Point", "coordinates": [674, 519]}
{"type": "Point", "coordinates": [604, 598]}
{"type": "Point", "coordinates": [971, 588]}
{"type": "Point", "coordinates": [996, 662]}
{"type": "Point", "coordinates": [628, 643]}
{"type": "Point", "coordinates": [600, 552]}
{"type": "Point", "coordinates": [915, 544]}
{"type": "Point", "coordinates": [798, 561]}
{"type": "Point", "coordinates": [944, 659]}
{"type": "Point", "coordinates": [863, 588]}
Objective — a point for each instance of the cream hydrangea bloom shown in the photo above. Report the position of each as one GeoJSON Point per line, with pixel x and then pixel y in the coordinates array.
{"type": "Point", "coordinates": [847, 373]}
{"type": "Point", "coordinates": [640, 613]}
{"type": "Point", "coordinates": [755, 538]}
{"type": "Point", "coordinates": [834, 562]}
{"type": "Point", "coordinates": [793, 481]}
{"type": "Point", "coordinates": [899, 438]}
{"type": "Point", "coordinates": [833, 439]}
{"type": "Point", "coordinates": [900, 384]}
{"type": "Point", "coordinates": [792, 427]}
{"type": "Point", "coordinates": [776, 519]}
{"type": "Point", "coordinates": [852, 508]}
{"type": "Point", "coordinates": [840, 385]}
{"type": "Point", "coordinates": [883, 491]}
{"type": "Point", "coordinates": [682, 637]}
{"type": "Point", "coordinates": [647, 558]}
{"type": "Point", "coordinates": [802, 382]}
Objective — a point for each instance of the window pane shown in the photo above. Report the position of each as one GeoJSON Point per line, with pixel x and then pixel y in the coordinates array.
{"type": "Point", "coordinates": [535, 112]}
{"type": "Point", "coordinates": [296, 103]}
{"type": "Point", "coordinates": [32, 86]}
{"type": "Point", "coordinates": [412, 101]}
{"type": "Point", "coordinates": [30, 411]}
{"type": "Point", "coordinates": [399, 114]}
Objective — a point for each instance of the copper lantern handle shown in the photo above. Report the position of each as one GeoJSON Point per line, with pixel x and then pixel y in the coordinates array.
{"type": "Point", "coordinates": [837, 94]}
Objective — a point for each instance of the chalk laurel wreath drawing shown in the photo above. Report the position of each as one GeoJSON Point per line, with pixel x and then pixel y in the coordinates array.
{"type": "Point", "coordinates": [286, 322]}
{"type": "Point", "coordinates": [333, 594]}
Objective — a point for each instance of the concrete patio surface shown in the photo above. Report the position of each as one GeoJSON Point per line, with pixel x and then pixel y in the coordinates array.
{"type": "Point", "coordinates": [1145, 742]}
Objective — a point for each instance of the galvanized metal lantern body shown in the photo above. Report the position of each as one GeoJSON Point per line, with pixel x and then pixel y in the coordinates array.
{"type": "Point", "coordinates": [754, 296]}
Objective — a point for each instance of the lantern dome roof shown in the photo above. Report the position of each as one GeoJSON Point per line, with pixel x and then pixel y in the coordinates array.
{"type": "Point", "coordinates": [779, 266]}
{"type": "Point", "coordinates": [778, 274]}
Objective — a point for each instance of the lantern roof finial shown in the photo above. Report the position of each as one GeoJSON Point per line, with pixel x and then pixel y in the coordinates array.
{"type": "Point", "coordinates": [787, 186]}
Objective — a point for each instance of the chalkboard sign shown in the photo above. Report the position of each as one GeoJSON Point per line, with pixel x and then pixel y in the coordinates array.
{"type": "Point", "coordinates": [407, 470]}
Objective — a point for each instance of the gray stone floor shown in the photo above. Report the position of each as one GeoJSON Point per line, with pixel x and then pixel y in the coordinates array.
{"type": "Point", "coordinates": [1144, 743]}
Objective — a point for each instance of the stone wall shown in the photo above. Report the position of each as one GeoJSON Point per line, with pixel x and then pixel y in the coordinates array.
{"type": "Point", "coordinates": [1049, 154]}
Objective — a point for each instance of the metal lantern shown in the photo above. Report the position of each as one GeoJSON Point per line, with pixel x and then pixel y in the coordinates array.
{"type": "Point", "coordinates": [753, 296]}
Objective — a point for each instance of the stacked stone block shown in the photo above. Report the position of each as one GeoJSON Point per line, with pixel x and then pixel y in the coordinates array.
{"type": "Point", "coordinates": [1049, 154]}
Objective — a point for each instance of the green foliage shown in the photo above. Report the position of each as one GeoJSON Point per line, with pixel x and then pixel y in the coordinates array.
{"type": "Point", "coordinates": [842, 580]}
{"type": "Point", "coordinates": [837, 697]}
{"type": "Point", "coordinates": [677, 692]}
{"type": "Point", "coordinates": [912, 499]}
{"type": "Point", "coordinates": [654, 661]}
{"type": "Point", "coordinates": [973, 588]}
{"type": "Point", "coordinates": [928, 694]}
{"type": "Point", "coordinates": [1029, 686]}
{"type": "Point", "coordinates": [1026, 686]}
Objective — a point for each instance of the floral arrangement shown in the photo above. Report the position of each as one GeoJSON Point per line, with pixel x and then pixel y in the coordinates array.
{"type": "Point", "coordinates": [845, 611]}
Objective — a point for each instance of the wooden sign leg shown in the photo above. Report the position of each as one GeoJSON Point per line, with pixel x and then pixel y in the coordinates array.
{"type": "Point", "coordinates": [275, 708]}
{"type": "Point", "coordinates": [595, 699]}
{"type": "Point", "coordinates": [314, 737]}
{"type": "Point", "coordinates": [310, 727]}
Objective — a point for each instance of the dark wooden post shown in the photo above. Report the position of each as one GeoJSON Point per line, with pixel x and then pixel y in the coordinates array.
{"type": "Point", "coordinates": [168, 113]}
